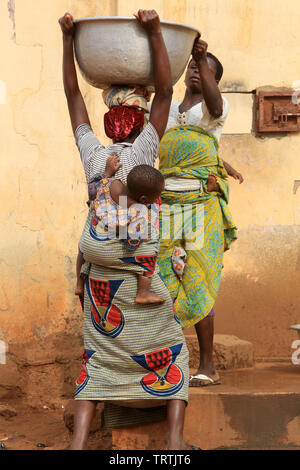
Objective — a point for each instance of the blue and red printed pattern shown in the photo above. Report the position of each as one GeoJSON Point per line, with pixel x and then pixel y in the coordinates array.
{"type": "Point", "coordinates": [165, 378]}
{"type": "Point", "coordinates": [175, 313]}
{"type": "Point", "coordinates": [106, 317]}
{"type": "Point", "coordinates": [148, 263]}
{"type": "Point", "coordinates": [84, 376]}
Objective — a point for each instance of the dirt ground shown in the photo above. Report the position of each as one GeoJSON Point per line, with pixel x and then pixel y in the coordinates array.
{"type": "Point", "coordinates": [38, 428]}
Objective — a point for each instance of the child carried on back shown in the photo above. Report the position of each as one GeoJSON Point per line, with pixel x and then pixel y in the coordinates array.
{"type": "Point", "coordinates": [123, 211]}
{"type": "Point", "coordinates": [127, 221]}
{"type": "Point", "coordinates": [119, 210]}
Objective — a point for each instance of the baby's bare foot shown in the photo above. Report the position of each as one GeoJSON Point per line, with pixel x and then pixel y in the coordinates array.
{"type": "Point", "coordinates": [212, 184]}
{"type": "Point", "coordinates": [149, 298]}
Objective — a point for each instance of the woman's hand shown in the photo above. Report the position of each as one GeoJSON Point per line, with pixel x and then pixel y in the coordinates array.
{"type": "Point", "coordinates": [112, 165]}
{"type": "Point", "coordinates": [67, 25]}
{"type": "Point", "coordinates": [199, 50]}
{"type": "Point", "coordinates": [149, 19]}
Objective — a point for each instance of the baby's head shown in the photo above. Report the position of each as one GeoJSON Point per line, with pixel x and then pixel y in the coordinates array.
{"type": "Point", "coordinates": [145, 184]}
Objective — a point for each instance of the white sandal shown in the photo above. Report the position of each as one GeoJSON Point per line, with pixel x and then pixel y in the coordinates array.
{"type": "Point", "coordinates": [203, 377]}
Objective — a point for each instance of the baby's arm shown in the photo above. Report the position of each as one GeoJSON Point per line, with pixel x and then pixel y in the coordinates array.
{"type": "Point", "coordinates": [112, 165]}
{"type": "Point", "coordinates": [232, 172]}
{"type": "Point", "coordinates": [116, 190]}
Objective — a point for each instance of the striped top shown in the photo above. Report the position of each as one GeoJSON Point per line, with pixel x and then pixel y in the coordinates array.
{"type": "Point", "coordinates": [143, 151]}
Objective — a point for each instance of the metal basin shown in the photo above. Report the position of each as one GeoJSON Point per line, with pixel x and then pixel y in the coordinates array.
{"type": "Point", "coordinates": [116, 50]}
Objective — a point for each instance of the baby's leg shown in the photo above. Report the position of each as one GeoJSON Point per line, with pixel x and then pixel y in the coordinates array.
{"type": "Point", "coordinates": [144, 295]}
{"type": "Point", "coordinates": [80, 279]}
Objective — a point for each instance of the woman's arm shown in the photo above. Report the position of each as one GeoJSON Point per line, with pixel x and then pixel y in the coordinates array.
{"type": "Point", "coordinates": [210, 89]}
{"type": "Point", "coordinates": [77, 109]}
{"type": "Point", "coordinates": [162, 70]}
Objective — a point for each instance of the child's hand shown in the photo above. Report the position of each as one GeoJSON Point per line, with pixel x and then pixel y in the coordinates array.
{"type": "Point", "coordinates": [67, 25]}
{"type": "Point", "coordinates": [112, 165]}
{"type": "Point", "coordinates": [149, 19]}
{"type": "Point", "coordinates": [237, 176]}
{"type": "Point", "coordinates": [233, 173]}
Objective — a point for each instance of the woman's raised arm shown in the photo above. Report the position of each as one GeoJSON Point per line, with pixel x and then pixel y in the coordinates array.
{"type": "Point", "coordinates": [160, 108]}
{"type": "Point", "coordinates": [77, 109]}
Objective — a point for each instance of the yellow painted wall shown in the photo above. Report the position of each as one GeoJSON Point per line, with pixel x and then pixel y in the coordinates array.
{"type": "Point", "coordinates": [43, 190]}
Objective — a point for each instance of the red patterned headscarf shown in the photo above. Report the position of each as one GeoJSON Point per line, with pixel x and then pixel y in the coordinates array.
{"type": "Point", "coordinates": [120, 121]}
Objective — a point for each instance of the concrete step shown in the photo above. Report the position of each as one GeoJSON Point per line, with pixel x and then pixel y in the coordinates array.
{"type": "Point", "coordinates": [257, 408]}
{"type": "Point", "coordinates": [230, 352]}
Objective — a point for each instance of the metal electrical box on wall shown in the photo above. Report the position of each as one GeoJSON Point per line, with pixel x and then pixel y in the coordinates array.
{"type": "Point", "coordinates": [276, 112]}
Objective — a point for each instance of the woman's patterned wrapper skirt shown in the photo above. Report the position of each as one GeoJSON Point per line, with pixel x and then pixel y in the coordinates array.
{"type": "Point", "coordinates": [133, 353]}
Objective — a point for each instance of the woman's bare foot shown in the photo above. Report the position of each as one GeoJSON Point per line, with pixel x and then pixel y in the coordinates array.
{"type": "Point", "coordinates": [148, 297]}
{"type": "Point", "coordinates": [212, 184]}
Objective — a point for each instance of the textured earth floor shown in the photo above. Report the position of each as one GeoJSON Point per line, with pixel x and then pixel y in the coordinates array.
{"type": "Point", "coordinates": [42, 428]}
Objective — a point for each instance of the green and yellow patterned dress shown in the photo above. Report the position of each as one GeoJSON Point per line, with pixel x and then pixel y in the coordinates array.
{"type": "Point", "coordinates": [198, 221]}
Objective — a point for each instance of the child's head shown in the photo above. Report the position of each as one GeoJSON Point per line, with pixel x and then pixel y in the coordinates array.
{"type": "Point", "coordinates": [216, 66]}
{"type": "Point", "coordinates": [192, 77]}
{"type": "Point", "coordinates": [145, 184]}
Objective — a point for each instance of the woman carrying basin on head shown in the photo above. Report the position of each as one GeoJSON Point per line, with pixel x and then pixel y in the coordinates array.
{"type": "Point", "coordinates": [132, 352]}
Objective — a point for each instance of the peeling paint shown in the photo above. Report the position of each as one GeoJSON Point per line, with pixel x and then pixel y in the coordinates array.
{"type": "Point", "coordinates": [4, 334]}
{"type": "Point", "coordinates": [296, 186]}
{"type": "Point", "coordinates": [39, 332]}
{"type": "Point", "coordinates": [4, 305]}
{"type": "Point", "coordinates": [237, 86]}
{"type": "Point", "coordinates": [45, 212]}
{"type": "Point", "coordinates": [11, 11]}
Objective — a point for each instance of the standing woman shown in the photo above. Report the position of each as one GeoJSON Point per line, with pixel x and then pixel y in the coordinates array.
{"type": "Point", "coordinates": [133, 353]}
{"type": "Point", "coordinates": [195, 176]}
